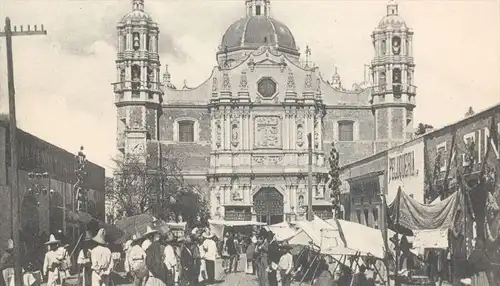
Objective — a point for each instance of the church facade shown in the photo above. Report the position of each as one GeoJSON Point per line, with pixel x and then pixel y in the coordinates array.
{"type": "Point", "coordinates": [243, 133]}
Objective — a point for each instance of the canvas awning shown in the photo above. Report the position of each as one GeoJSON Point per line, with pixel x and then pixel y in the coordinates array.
{"type": "Point", "coordinates": [414, 215]}
{"type": "Point", "coordinates": [361, 238]}
{"type": "Point", "coordinates": [281, 230]}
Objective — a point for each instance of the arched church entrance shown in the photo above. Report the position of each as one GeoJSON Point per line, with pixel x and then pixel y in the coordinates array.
{"type": "Point", "coordinates": [268, 205]}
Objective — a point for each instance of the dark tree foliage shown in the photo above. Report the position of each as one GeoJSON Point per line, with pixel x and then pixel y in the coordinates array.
{"type": "Point", "coordinates": [422, 127]}
{"type": "Point", "coordinates": [334, 174]}
{"type": "Point", "coordinates": [162, 191]}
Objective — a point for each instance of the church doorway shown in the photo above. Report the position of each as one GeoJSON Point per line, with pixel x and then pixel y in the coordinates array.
{"type": "Point", "coordinates": [268, 205]}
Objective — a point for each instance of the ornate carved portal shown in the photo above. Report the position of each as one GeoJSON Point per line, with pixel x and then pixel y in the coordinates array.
{"type": "Point", "coordinates": [269, 205]}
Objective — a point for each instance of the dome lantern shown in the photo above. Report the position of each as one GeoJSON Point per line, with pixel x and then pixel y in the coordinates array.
{"type": "Point", "coordinates": [258, 7]}
{"type": "Point", "coordinates": [138, 5]}
{"type": "Point", "coordinates": [392, 8]}
{"type": "Point", "coordinates": [254, 31]}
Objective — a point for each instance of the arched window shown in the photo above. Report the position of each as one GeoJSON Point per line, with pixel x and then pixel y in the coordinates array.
{"type": "Point", "coordinates": [383, 48]}
{"type": "Point", "coordinates": [396, 45]}
{"type": "Point", "coordinates": [346, 130]}
{"type": "Point", "coordinates": [186, 131]}
{"type": "Point", "coordinates": [136, 43]}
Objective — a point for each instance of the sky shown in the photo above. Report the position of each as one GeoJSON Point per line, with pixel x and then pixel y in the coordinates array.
{"type": "Point", "coordinates": [63, 80]}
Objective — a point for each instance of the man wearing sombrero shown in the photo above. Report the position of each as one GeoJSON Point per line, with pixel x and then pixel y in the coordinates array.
{"type": "Point", "coordinates": [136, 259]}
{"type": "Point", "coordinates": [101, 259]}
{"type": "Point", "coordinates": [52, 261]}
{"type": "Point", "coordinates": [154, 262]}
{"type": "Point", "coordinates": [210, 248]}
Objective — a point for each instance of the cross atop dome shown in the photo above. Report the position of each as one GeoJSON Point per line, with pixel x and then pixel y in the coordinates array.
{"type": "Point", "coordinates": [258, 7]}
{"type": "Point", "coordinates": [392, 8]}
{"type": "Point", "coordinates": [138, 5]}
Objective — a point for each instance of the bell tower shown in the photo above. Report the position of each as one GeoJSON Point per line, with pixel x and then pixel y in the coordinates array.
{"type": "Point", "coordinates": [137, 89]}
{"type": "Point", "coordinates": [393, 94]}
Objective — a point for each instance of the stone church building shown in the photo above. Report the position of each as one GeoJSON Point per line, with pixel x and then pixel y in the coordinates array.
{"type": "Point", "coordinates": [243, 132]}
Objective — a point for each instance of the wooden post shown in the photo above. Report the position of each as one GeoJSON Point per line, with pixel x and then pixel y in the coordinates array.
{"type": "Point", "coordinates": [310, 216]}
{"type": "Point", "coordinates": [14, 183]}
{"type": "Point", "coordinates": [398, 246]}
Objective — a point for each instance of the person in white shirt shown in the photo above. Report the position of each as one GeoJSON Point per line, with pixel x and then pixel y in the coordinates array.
{"type": "Point", "coordinates": [285, 265]}
{"type": "Point", "coordinates": [169, 258]}
{"type": "Point", "coordinates": [101, 259]}
{"type": "Point", "coordinates": [52, 261]}
{"type": "Point", "coordinates": [83, 259]}
{"type": "Point", "coordinates": [136, 259]}
{"type": "Point", "coordinates": [210, 248]}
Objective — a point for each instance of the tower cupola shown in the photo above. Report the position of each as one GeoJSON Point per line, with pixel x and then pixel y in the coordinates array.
{"type": "Point", "coordinates": [392, 68]}
{"type": "Point", "coordinates": [258, 7]}
{"type": "Point", "coordinates": [138, 92]}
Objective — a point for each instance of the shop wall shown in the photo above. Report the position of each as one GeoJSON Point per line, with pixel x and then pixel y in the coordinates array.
{"type": "Point", "coordinates": [36, 155]}
{"type": "Point", "coordinates": [405, 169]}
{"type": "Point", "coordinates": [363, 181]}
{"type": "Point", "coordinates": [440, 142]}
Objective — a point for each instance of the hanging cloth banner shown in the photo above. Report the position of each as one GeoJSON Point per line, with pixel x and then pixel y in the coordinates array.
{"type": "Point", "coordinates": [417, 216]}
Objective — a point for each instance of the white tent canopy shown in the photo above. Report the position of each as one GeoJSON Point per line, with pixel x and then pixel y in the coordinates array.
{"type": "Point", "coordinates": [281, 230]}
{"type": "Point", "coordinates": [322, 235]}
{"type": "Point", "coordinates": [361, 238]}
{"type": "Point", "coordinates": [217, 226]}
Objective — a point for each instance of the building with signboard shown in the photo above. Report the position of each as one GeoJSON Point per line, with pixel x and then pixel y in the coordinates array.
{"type": "Point", "coordinates": [425, 167]}
{"type": "Point", "coordinates": [46, 177]}
{"type": "Point", "coordinates": [244, 130]}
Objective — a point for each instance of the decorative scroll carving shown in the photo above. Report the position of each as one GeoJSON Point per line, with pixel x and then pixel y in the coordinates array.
{"type": "Point", "coordinates": [226, 82]}
{"type": "Point", "coordinates": [243, 81]}
{"type": "Point", "coordinates": [267, 132]}
{"type": "Point", "coordinates": [215, 83]}
{"type": "Point", "coordinates": [308, 82]}
{"type": "Point", "coordinates": [300, 134]}
{"type": "Point", "coordinates": [290, 84]}
{"type": "Point", "coordinates": [282, 65]}
{"type": "Point", "coordinates": [218, 135]}
{"type": "Point", "coordinates": [267, 160]}
{"type": "Point", "coordinates": [251, 64]}
{"type": "Point", "coordinates": [234, 135]}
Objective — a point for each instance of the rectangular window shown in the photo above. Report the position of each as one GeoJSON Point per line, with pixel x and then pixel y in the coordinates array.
{"type": "Point", "coordinates": [472, 144]}
{"type": "Point", "coordinates": [257, 10]}
{"type": "Point", "coordinates": [186, 131]}
{"type": "Point", "coordinates": [441, 150]}
{"type": "Point", "coordinates": [346, 131]}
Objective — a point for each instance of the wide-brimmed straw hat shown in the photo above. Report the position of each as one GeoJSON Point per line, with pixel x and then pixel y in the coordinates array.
{"type": "Point", "coordinates": [150, 230]}
{"type": "Point", "coordinates": [100, 236]}
{"type": "Point", "coordinates": [208, 234]}
{"type": "Point", "coordinates": [52, 240]}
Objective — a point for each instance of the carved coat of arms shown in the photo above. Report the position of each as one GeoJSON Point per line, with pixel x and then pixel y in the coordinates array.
{"type": "Point", "coordinates": [267, 132]}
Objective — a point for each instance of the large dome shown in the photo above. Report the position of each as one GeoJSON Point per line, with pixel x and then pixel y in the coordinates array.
{"type": "Point", "coordinates": [255, 31]}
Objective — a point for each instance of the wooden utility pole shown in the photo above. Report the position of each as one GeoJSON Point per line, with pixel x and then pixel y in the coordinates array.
{"type": "Point", "coordinates": [310, 216]}
{"type": "Point", "coordinates": [14, 184]}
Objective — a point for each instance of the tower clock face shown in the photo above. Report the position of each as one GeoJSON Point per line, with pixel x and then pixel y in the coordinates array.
{"type": "Point", "coordinates": [266, 87]}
